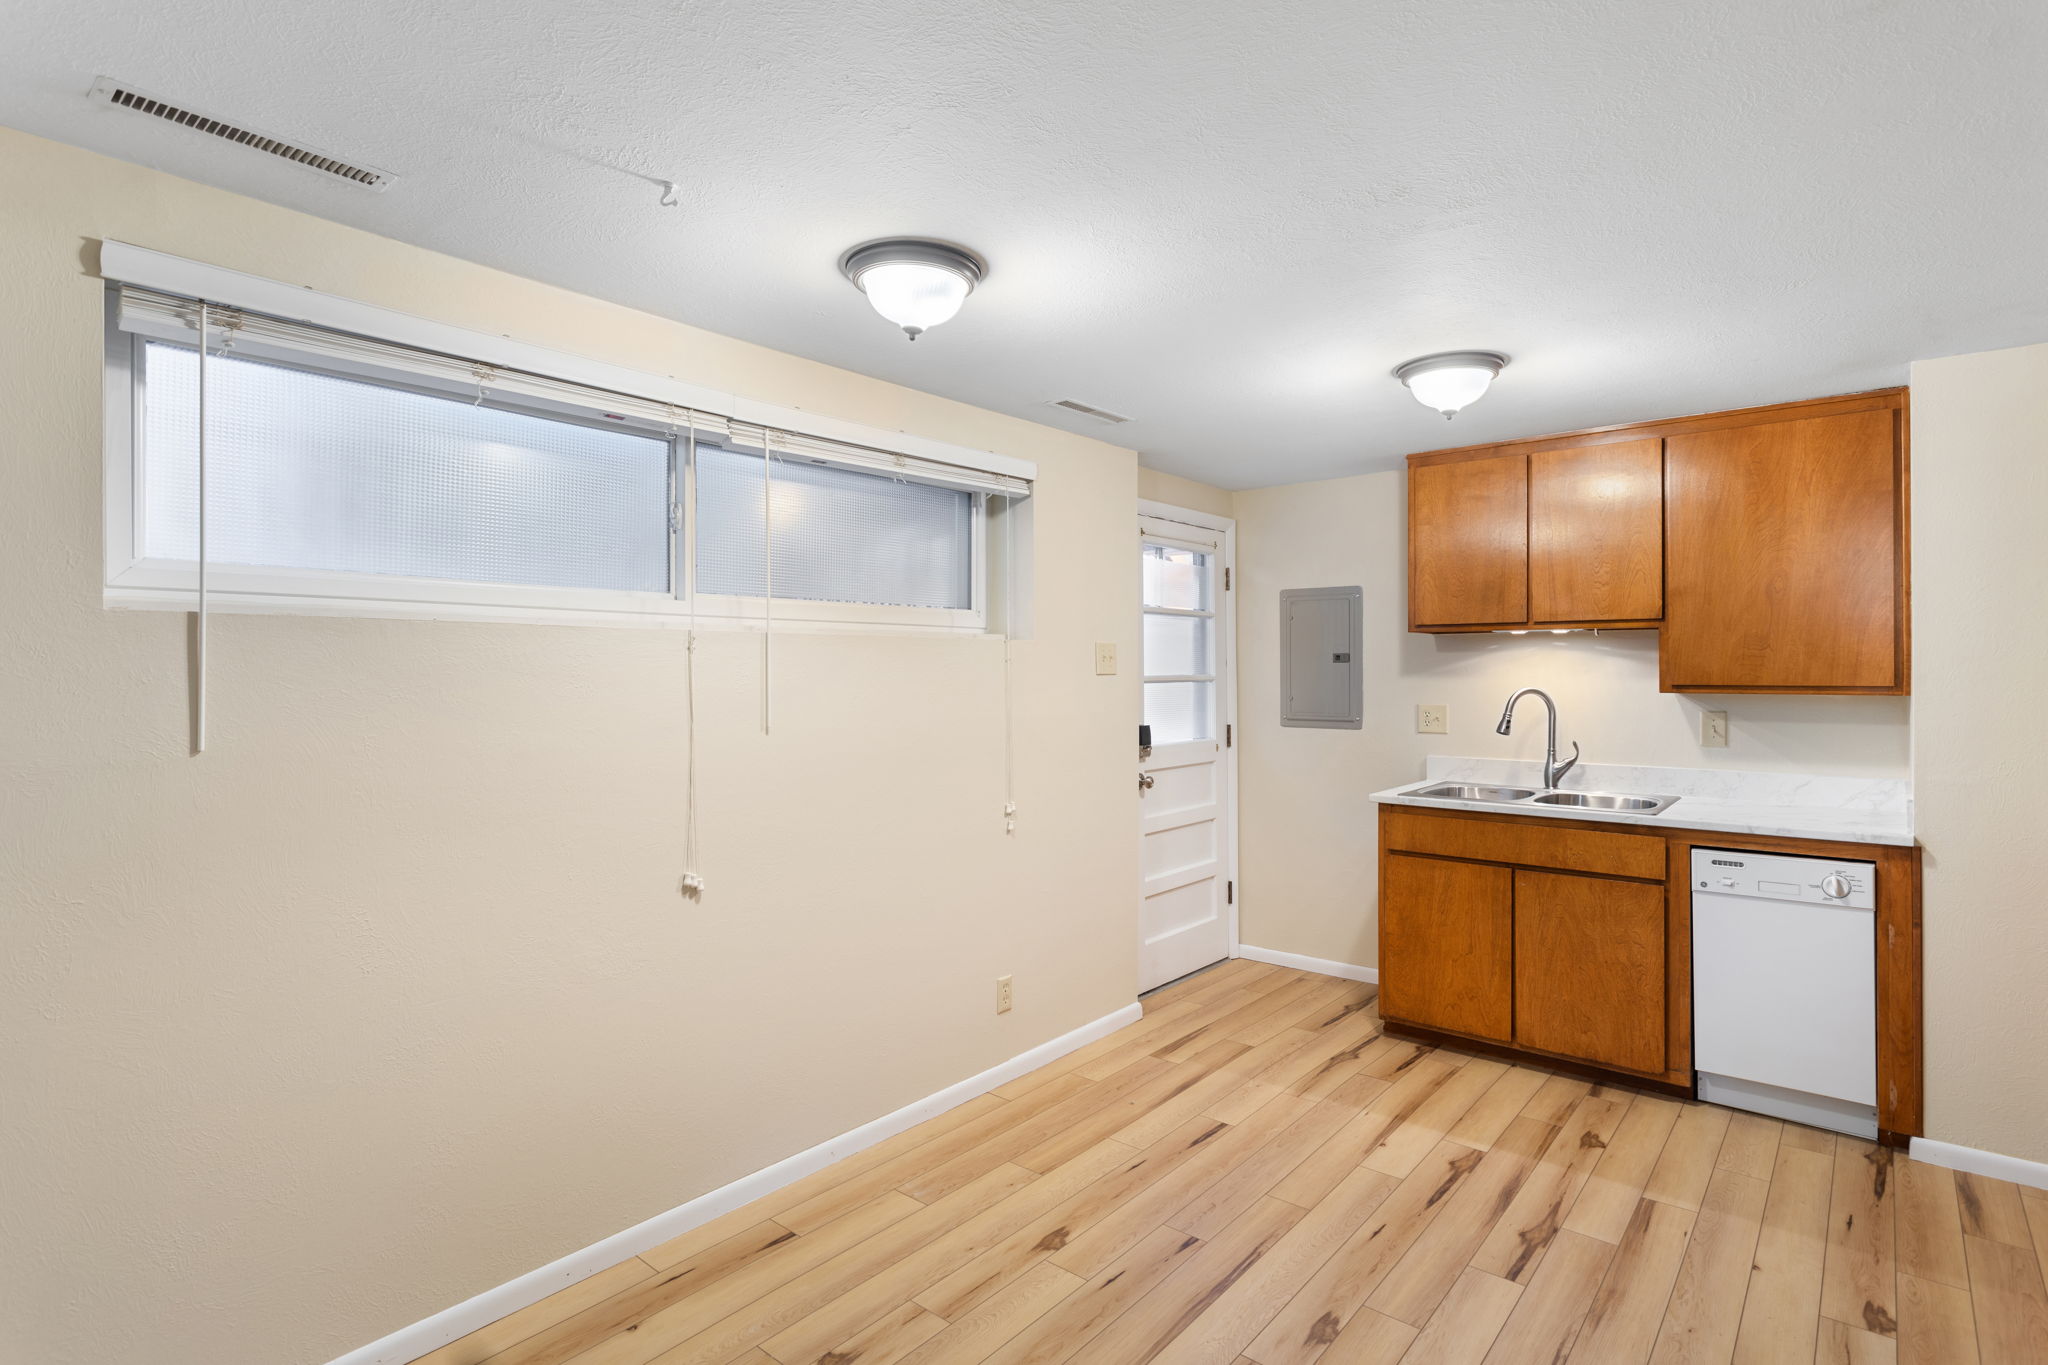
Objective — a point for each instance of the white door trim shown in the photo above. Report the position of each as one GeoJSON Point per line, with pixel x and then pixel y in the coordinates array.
{"type": "Point", "coordinates": [1226, 650]}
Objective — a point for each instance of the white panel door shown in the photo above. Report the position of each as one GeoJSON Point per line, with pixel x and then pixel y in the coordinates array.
{"type": "Point", "coordinates": [1186, 900]}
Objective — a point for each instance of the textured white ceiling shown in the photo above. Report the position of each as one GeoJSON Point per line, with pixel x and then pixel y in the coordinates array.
{"type": "Point", "coordinates": [1229, 221]}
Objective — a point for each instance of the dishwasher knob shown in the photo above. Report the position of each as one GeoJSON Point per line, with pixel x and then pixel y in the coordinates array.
{"type": "Point", "coordinates": [1834, 886]}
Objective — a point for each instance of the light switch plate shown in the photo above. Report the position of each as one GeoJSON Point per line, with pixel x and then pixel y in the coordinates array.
{"type": "Point", "coordinates": [1105, 660]}
{"type": "Point", "coordinates": [1432, 718]}
{"type": "Point", "coordinates": [1713, 729]}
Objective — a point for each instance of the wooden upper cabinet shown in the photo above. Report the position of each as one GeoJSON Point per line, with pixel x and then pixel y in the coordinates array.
{"type": "Point", "coordinates": [1572, 536]}
{"type": "Point", "coordinates": [1590, 969]}
{"type": "Point", "coordinates": [1596, 533]}
{"type": "Point", "coordinates": [1768, 544]}
{"type": "Point", "coordinates": [1447, 945]}
{"type": "Point", "coordinates": [1785, 557]}
{"type": "Point", "coordinates": [1468, 543]}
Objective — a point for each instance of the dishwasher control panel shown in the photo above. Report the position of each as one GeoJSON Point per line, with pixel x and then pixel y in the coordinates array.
{"type": "Point", "coordinates": [1776, 876]}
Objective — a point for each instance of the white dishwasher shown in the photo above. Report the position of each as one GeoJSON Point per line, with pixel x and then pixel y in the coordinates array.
{"type": "Point", "coordinates": [1784, 986]}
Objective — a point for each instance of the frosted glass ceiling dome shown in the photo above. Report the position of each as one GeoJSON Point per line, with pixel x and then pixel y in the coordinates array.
{"type": "Point", "coordinates": [914, 282]}
{"type": "Point", "coordinates": [1451, 380]}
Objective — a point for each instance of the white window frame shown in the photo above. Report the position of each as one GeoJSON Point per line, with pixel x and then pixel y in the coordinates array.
{"type": "Point", "coordinates": [134, 580]}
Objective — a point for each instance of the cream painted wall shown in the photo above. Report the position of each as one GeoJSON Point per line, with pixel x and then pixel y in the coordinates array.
{"type": "Point", "coordinates": [1309, 851]}
{"type": "Point", "coordinates": [1156, 485]}
{"type": "Point", "coordinates": [1980, 655]}
{"type": "Point", "coordinates": [390, 996]}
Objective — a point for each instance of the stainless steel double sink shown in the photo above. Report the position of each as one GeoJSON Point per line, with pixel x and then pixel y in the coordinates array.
{"type": "Point", "coordinates": [1529, 796]}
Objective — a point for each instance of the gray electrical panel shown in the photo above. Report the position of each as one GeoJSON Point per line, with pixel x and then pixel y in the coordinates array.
{"type": "Point", "coordinates": [1321, 683]}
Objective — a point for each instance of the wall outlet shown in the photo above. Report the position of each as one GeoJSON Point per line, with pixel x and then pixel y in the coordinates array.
{"type": "Point", "coordinates": [1432, 718]}
{"type": "Point", "coordinates": [1105, 660]}
{"type": "Point", "coordinates": [1003, 1000]}
{"type": "Point", "coordinates": [1713, 729]}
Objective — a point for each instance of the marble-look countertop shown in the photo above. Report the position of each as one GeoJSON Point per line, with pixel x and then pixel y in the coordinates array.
{"type": "Point", "coordinates": [1859, 810]}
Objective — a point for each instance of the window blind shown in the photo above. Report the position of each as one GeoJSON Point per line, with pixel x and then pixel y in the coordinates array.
{"type": "Point", "coordinates": [309, 471]}
{"type": "Point", "coordinates": [839, 535]}
{"type": "Point", "coordinates": [172, 317]}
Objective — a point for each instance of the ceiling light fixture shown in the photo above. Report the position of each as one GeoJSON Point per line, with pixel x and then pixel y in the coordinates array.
{"type": "Point", "coordinates": [914, 282]}
{"type": "Point", "coordinates": [1450, 380]}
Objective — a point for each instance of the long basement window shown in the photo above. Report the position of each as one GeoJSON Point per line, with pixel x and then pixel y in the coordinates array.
{"type": "Point", "coordinates": [344, 474]}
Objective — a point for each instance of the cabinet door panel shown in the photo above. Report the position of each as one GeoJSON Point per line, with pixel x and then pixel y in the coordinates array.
{"type": "Point", "coordinates": [1589, 968]}
{"type": "Point", "coordinates": [1782, 556]}
{"type": "Point", "coordinates": [1596, 533]}
{"type": "Point", "coordinates": [1446, 942]}
{"type": "Point", "coordinates": [1468, 542]}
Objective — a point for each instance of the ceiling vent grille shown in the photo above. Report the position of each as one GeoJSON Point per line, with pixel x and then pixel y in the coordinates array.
{"type": "Point", "coordinates": [122, 97]}
{"type": "Point", "coordinates": [1089, 410]}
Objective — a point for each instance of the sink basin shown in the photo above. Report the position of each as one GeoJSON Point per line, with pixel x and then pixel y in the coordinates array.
{"type": "Point", "coordinates": [1454, 791]}
{"type": "Point", "coordinates": [1604, 801]}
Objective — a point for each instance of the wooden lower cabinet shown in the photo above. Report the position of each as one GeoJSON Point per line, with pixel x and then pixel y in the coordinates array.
{"type": "Point", "coordinates": [1570, 941]}
{"type": "Point", "coordinates": [1446, 945]}
{"type": "Point", "coordinates": [1590, 969]}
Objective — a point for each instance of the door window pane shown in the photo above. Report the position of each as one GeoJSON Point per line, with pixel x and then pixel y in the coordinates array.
{"type": "Point", "coordinates": [1175, 577]}
{"type": "Point", "coordinates": [309, 471]}
{"type": "Point", "coordinates": [1176, 645]}
{"type": "Point", "coordinates": [1179, 711]}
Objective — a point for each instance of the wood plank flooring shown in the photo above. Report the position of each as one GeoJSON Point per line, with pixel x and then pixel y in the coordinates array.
{"type": "Point", "coordinates": [1253, 1175]}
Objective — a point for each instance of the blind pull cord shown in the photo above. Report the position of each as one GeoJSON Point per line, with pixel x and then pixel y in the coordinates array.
{"type": "Point", "coordinates": [1009, 634]}
{"type": "Point", "coordinates": [199, 624]}
{"type": "Point", "coordinates": [768, 559]}
{"type": "Point", "coordinates": [693, 879]}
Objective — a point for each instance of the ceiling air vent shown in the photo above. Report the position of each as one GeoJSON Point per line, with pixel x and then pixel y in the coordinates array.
{"type": "Point", "coordinates": [1089, 410]}
{"type": "Point", "coordinates": [113, 92]}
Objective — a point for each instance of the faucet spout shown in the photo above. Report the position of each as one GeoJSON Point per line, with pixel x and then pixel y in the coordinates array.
{"type": "Point", "coordinates": [1552, 769]}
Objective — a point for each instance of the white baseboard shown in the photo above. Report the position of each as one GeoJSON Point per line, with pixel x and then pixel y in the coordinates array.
{"type": "Point", "coordinates": [428, 1334]}
{"type": "Point", "coordinates": [2016, 1169]}
{"type": "Point", "coordinates": [1321, 965]}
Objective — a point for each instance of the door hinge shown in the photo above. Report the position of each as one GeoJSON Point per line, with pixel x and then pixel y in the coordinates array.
{"type": "Point", "coordinates": [1226, 580]}
{"type": "Point", "coordinates": [1230, 893]}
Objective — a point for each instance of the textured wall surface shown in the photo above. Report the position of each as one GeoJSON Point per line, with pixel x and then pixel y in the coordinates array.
{"type": "Point", "coordinates": [1229, 222]}
{"type": "Point", "coordinates": [389, 997]}
{"type": "Point", "coordinates": [1309, 844]}
{"type": "Point", "coordinates": [1980, 654]}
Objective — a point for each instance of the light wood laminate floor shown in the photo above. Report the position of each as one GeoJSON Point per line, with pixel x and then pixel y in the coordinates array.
{"type": "Point", "coordinates": [1252, 1173]}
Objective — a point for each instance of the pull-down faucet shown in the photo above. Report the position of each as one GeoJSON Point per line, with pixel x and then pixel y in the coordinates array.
{"type": "Point", "coordinates": [1552, 771]}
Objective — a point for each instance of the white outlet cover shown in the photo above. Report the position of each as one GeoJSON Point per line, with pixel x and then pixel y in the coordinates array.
{"type": "Point", "coordinates": [1432, 718]}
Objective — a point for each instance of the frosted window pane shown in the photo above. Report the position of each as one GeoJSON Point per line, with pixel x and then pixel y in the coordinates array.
{"type": "Point", "coordinates": [1176, 645]}
{"type": "Point", "coordinates": [1179, 711]}
{"type": "Point", "coordinates": [1176, 578]}
{"type": "Point", "coordinates": [841, 535]}
{"type": "Point", "coordinates": [307, 471]}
